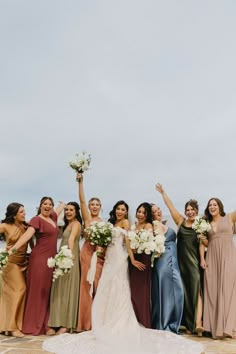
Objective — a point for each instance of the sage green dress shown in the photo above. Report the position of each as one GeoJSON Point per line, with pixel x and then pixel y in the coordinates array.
{"type": "Point", "coordinates": [191, 274]}
{"type": "Point", "coordinates": [64, 297]}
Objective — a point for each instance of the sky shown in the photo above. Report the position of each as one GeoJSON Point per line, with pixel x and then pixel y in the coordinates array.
{"type": "Point", "coordinates": [146, 87]}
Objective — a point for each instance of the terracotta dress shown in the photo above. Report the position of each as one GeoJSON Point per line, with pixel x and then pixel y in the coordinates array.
{"type": "Point", "coordinates": [64, 299]}
{"type": "Point", "coordinates": [219, 315]}
{"type": "Point", "coordinates": [12, 299]}
{"type": "Point", "coordinates": [85, 300]}
{"type": "Point", "coordinates": [39, 276]}
{"type": "Point", "coordinates": [191, 273]}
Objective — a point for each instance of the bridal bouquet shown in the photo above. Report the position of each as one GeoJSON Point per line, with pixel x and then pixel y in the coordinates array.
{"type": "Point", "coordinates": [201, 226]}
{"type": "Point", "coordinates": [81, 162]}
{"type": "Point", "coordinates": [3, 258]}
{"type": "Point", "coordinates": [142, 241]}
{"type": "Point", "coordinates": [100, 236]}
{"type": "Point", "coordinates": [62, 262]}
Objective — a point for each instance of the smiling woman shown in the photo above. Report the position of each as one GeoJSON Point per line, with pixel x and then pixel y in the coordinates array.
{"type": "Point", "coordinates": [39, 276]}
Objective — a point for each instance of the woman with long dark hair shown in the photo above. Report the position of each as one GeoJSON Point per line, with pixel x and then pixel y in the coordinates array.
{"type": "Point", "coordinates": [12, 299]}
{"type": "Point", "coordinates": [39, 275]}
{"type": "Point", "coordinates": [220, 272]}
{"type": "Point", "coordinates": [65, 290]}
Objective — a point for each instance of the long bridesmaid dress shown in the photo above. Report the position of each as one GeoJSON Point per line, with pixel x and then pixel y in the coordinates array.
{"type": "Point", "coordinates": [65, 292]}
{"type": "Point", "coordinates": [86, 300]}
{"type": "Point", "coordinates": [39, 277]}
{"type": "Point", "coordinates": [167, 288]}
{"type": "Point", "coordinates": [140, 286]}
{"type": "Point", "coordinates": [191, 273]}
{"type": "Point", "coordinates": [12, 299]}
{"type": "Point", "coordinates": [220, 282]}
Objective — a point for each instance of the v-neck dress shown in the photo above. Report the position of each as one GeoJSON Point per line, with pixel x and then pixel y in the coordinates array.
{"type": "Point", "coordinates": [39, 276]}
{"type": "Point", "coordinates": [219, 316]}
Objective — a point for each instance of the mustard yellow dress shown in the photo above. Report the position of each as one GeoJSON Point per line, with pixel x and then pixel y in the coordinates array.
{"type": "Point", "coordinates": [12, 300]}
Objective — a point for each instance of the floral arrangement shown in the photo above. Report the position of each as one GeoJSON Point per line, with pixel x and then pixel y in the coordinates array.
{"type": "Point", "coordinates": [201, 226]}
{"type": "Point", "coordinates": [145, 241]}
{"type": "Point", "coordinates": [62, 262]}
{"type": "Point", "coordinates": [3, 258]}
{"type": "Point", "coordinates": [100, 233]}
{"type": "Point", "coordinates": [81, 162]}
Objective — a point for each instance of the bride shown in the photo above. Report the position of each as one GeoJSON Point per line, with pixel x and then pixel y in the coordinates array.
{"type": "Point", "coordinates": [114, 326]}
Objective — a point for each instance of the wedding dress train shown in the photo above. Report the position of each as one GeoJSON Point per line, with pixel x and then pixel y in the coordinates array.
{"type": "Point", "coordinates": [114, 325]}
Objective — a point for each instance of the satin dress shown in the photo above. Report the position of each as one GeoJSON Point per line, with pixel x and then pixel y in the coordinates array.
{"type": "Point", "coordinates": [167, 289]}
{"type": "Point", "coordinates": [13, 293]}
{"type": "Point", "coordinates": [191, 273]}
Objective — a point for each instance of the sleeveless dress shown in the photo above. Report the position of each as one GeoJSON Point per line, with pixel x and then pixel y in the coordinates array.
{"type": "Point", "coordinates": [39, 276]}
{"type": "Point", "coordinates": [167, 288]}
{"type": "Point", "coordinates": [191, 273]}
{"type": "Point", "coordinates": [115, 327]}
{"type": "Point", "coordinates": [140, 285]}
{"type": "Point", "coordinates": [12, 299]}
{"type": "Point", "coordinates": [64, 298]}
{"type": "Point", "coordinates": [86, 300]}
{"type": "Point", "coordinates": [220, 281]}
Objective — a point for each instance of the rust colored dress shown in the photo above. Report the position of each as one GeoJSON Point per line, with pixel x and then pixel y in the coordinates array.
{"type": "Point", "coordinates": [220, 281]}
{"type": "Point", "coordinates": [85, 300]}
{"type": "Point", "coordinates": [12, 300]}
{"type": "Point", "coordinates": [39, 276]}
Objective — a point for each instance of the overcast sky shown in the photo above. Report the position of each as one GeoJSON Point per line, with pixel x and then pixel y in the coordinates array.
{"type": "Point", "coordinates": [147, 87]}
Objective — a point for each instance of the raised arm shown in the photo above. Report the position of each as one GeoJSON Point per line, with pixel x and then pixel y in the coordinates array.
{"type": "Point", "coordinates": [83, 204]}
{"type": "Point", "coordinates": [177, 217]}
{"type": "Point", "coordinates": [60, 208]}
{"type": "Point", "coordinates": [23, 239]}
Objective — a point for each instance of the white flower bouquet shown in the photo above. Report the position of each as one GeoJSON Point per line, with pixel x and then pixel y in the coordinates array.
{"type": "Point", "coordinates": [62, 262]}
{"type": "Point", "coordinates": [159, 239]}
{"type": "Point", "coordinates": [3, 258]}
{"type": "Point", "coordinates": [81, 162]}
{"type": "Point", "coordinates": [201, 226]}
{"type": "Point", "coordinates": [142, 241]}
{"type": "Point", "coordinates": [100, 235]}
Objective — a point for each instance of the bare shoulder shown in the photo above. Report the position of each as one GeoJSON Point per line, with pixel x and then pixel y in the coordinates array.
{"type": "Point", "coordinates": [125, 224]}
{"type": "Point", "coordinates": [148, 226]}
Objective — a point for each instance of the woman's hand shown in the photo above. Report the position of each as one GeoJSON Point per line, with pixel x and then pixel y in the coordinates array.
{"type": "Point", "coordinates": [79, 177]}
{"type": "Point", "coordinates": [203, 263]}
{"type": "Point", "coordinates": [138, 265]}
{"type": "Point", "coordinates": [203, 239]}
{"type": "Point", "coordinates": [159, 188]}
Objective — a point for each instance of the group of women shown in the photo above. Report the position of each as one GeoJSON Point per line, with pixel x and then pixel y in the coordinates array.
{"type": "Point", "coordinates": [127, 296]}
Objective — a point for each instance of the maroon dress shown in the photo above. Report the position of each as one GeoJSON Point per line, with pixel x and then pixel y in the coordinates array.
{"type": "Point", "coordinates": [140, 286]}
{"type": "Point", "coordinates": [39, 276]}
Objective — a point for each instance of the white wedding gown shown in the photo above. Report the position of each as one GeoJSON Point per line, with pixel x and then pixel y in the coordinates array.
{"type": "Point", "coordinates": [115, 329]}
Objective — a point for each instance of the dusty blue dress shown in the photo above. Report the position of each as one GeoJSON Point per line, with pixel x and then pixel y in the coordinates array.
{"type": "Point", "coordinates": [167, 289]}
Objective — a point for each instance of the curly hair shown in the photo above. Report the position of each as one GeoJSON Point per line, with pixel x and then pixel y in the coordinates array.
{"type": "Point", "coordinates": [207, 214]}
{"type": "Point", "coordinates": [112, 218]}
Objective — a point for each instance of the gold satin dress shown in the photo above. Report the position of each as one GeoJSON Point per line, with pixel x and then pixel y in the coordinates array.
{"type": "Point", "coordinates": [13, 292]}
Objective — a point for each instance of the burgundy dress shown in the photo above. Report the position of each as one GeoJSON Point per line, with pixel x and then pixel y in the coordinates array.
{"type": "Point", "coordinates": [39, 276]}
{"type": "Point", "coordinates": [140, 286]}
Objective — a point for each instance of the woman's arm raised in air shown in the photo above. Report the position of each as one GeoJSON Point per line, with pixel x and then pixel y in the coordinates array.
{"type": "Point", "coordinates": [177, 217]}
{"type": "Point", "coordinates": [83, 204]}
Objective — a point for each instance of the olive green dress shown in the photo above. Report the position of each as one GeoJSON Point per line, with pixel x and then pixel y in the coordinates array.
{"type": "Point", "coordinates": [191, 274]}
{"type": "Point", "coordinates": [64, 297]}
